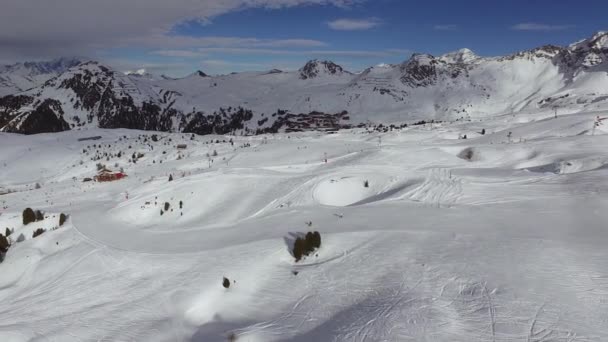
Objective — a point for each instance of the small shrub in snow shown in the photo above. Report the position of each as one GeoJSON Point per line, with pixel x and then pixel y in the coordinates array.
{"type": "Point", "coordinates": [170, 178]}
{"type": "Point", "coordinates": [28, 216]}
{"type": "Point", "coordinates": [38, 232]}
{"type": "Point", "coordinates": [167, 205]}
{"type": "Point", "coordinates": [366, 183]}
{"type": "Point", "coordinates": [181, 204]}
{"type": "Point", "coordinates": [226, 283]}
{"type": "Point", "coordinates": [62, 218]}
{"type": "Point", "coordinates": [214, 153]}
{"type": "Point", "coordinates": [39, 215]}
{"type": "Point", "coordinates": [8, 232]}
{"type": "Point", "coordinates": [161, 212]}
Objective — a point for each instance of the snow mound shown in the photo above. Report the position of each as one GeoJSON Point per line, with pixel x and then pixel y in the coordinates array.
{"type": "Point", "coordinates": [200, 200]}
{"type": "Point", "coordinates": [342, 191]}
{"type": "Point", "coordinates": [468, 154]}
{"type": "Point", "coordinates": [570, 166]}
{"type": "Point", "coordinates": [349, 190]}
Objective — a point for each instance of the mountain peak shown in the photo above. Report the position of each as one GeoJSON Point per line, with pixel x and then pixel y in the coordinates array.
{"type": "Point", "coordinates": [421, 58]}
{"type": "Point", "coordinates": [315, 68]}
{"type": "Point", "coordinates": [138, 72]}
{"type": "Point", "coordinates": [461, 56]}
{"type": "Point", "coordinates": [599, 41]}
{"type": "Point", "coordinates": [197, 74]}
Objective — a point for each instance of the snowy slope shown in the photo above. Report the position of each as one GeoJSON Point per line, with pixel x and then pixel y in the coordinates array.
{"type": "Point", "coordinates": [500, 237]}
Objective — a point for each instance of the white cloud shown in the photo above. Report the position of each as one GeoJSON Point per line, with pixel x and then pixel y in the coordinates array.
{"type": "Point", "coordinates": [540, 27]}
{"type": "Point", "coordinates": [354, 24]}
{"type": "Point", "coordinates": [446, 27]}
{"type": "Point", "coordinates": [59, 27]}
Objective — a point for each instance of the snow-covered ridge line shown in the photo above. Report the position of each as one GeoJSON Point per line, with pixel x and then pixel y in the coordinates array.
{"type": "Point", "coordinates": [320, 95]}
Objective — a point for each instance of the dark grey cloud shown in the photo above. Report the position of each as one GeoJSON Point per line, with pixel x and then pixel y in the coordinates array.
{"type": "Point", "coordinates": [39, 28]}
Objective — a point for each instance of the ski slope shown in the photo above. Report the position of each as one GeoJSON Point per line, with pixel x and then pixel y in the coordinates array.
{"type": "Point", "coordinates": [492, 238]}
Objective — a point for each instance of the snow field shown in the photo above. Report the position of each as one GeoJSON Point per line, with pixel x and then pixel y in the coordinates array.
{"type": "Point", "coordinates": [508, 245]}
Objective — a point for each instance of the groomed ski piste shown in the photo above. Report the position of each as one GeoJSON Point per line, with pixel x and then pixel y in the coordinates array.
{"type": "Point", "coordinates": [499, 237]}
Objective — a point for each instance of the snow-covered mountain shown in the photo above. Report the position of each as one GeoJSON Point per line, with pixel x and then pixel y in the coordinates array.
{"type": "Point", "coordinates": [22, 76]}
{"type": "Point", "coordinates": [319, 95]}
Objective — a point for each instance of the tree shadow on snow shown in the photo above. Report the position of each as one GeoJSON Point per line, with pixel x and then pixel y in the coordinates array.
{"type": "Point", "coordinates": [219, 331]}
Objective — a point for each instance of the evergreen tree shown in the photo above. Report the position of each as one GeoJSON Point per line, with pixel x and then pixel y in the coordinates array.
{"type": "Point", "coordinates": [28, 216]}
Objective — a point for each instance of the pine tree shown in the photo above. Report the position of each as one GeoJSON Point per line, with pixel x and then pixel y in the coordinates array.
{"type": "Point", "coordinates": [39, 215]}
{"type": "Point", "coordinates": [28, 216]}
{"type": "Point", "coordinates": [62, 218]}
{"type": "Point", "coordinates": [4, 244]}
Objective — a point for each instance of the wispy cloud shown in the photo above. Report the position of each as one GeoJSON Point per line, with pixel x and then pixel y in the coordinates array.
{"type": "Point", "coordinates": [354, 24]}
{"type": "Point", "coordinates": [540, 27]}
{"type": "Point", "coordinates": [220, 63]}
{"type": "Point", "coordinates": [179, 53]}
{"type": "Point", "coordinates": [172, 42]}
{"type": "Point", "coordinates": [300, 52]}
{"type": "Point", "coordinates": [446, 27]}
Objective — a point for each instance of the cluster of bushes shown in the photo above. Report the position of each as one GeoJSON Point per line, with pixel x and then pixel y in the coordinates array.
{"type": "Point", "coordinates": [304, 246]}
{"type": "Point", "coordinates": [29, 216]}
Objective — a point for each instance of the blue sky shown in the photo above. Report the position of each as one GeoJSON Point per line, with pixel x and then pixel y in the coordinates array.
{"type": "Point", "coordinates": [235, 35]}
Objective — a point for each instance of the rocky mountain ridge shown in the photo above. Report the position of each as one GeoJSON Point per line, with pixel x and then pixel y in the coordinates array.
{"type": "Point", "coordinates": [320, 95]}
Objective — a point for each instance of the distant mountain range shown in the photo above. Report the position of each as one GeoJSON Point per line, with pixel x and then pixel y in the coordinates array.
{"type": "Point", "coordinates": [19, 77]}
{"type": "Point", "coordinates": [72, 93]}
